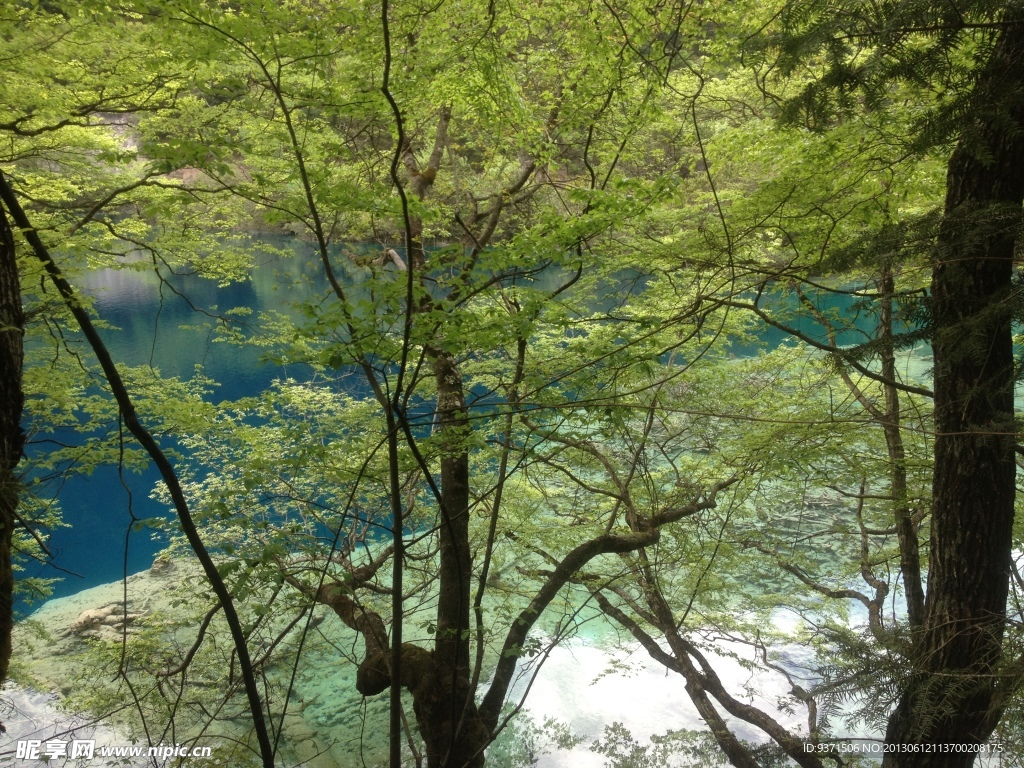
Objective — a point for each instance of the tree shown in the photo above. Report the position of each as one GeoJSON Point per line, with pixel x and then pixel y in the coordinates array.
{"type": "Point", "coordinates": [957, 692]}
{"type": "Point", "coordinates": [290, 88]}
{"type": "Point", "coordinates": [11, 435]}
{"type": "Point", "coordinates": [29, 111]}
{"type": "Point", "coordinates": [440, 306]}
{"type": "Point", "coordinates": [953, 696]}
{"type": "Point", "coordinates": [520, 415]}
{"type": "Point", "coordinates": [956, 699]}
{"type": "Point", "coordinates": [49, 121]}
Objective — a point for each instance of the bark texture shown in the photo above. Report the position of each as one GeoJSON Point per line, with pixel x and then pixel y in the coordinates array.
{"type": "Point", "coordinates": [12, 438]}
{"type": "Point", "coordinates": [952, 696]}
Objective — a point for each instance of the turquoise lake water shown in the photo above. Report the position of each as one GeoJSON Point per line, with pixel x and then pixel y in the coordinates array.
{"type": "Point", "coordinates": [154, 325]}
{"type": "Point", "coordinates": [149, 321]}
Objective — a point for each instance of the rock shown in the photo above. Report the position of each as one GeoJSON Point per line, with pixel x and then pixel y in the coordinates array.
{"type": "Point", "coordinates": [162, 566]}
{"type": "Point", "coordinates": [310, 749]}
{"type": "Point", "coordinates": [106, 622]}
{"type": "Point", "coordinates": [89, 619]}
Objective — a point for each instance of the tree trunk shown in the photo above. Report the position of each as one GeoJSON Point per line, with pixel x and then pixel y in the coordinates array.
{"type": "Point", "coordinates": [906, 528]}
{"type": "Point", "coordinates": [451, 649]}
{"type": "Point", "coordinates": [452, 646]}
{"type": "Point", "coordinates": [443, 712]}
{"type": "Point", "coordinates": [951, 697]}
{"type": "Point", "coordinates": [12, 438]}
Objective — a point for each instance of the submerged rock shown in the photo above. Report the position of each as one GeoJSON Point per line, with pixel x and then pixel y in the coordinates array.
{"type": "Point", "coordinates": [108, 622]}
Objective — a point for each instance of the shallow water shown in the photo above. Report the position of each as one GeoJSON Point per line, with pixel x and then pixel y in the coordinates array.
{"type": "Point", "coordinates": [31, 715]}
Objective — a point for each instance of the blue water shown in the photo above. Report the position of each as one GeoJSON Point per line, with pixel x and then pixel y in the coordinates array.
{"type": "Point", "coordinates": [149, 322]}
{"type": "Point", "coordinates": [154, 326]}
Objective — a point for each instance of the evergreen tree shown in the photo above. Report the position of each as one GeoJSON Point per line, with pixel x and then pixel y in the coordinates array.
{"type": "Point", "coordinates": [972, 56]}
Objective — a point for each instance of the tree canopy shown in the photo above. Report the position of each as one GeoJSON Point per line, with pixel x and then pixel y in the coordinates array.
{"type": "Point", "coordinates": [695, 321]}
